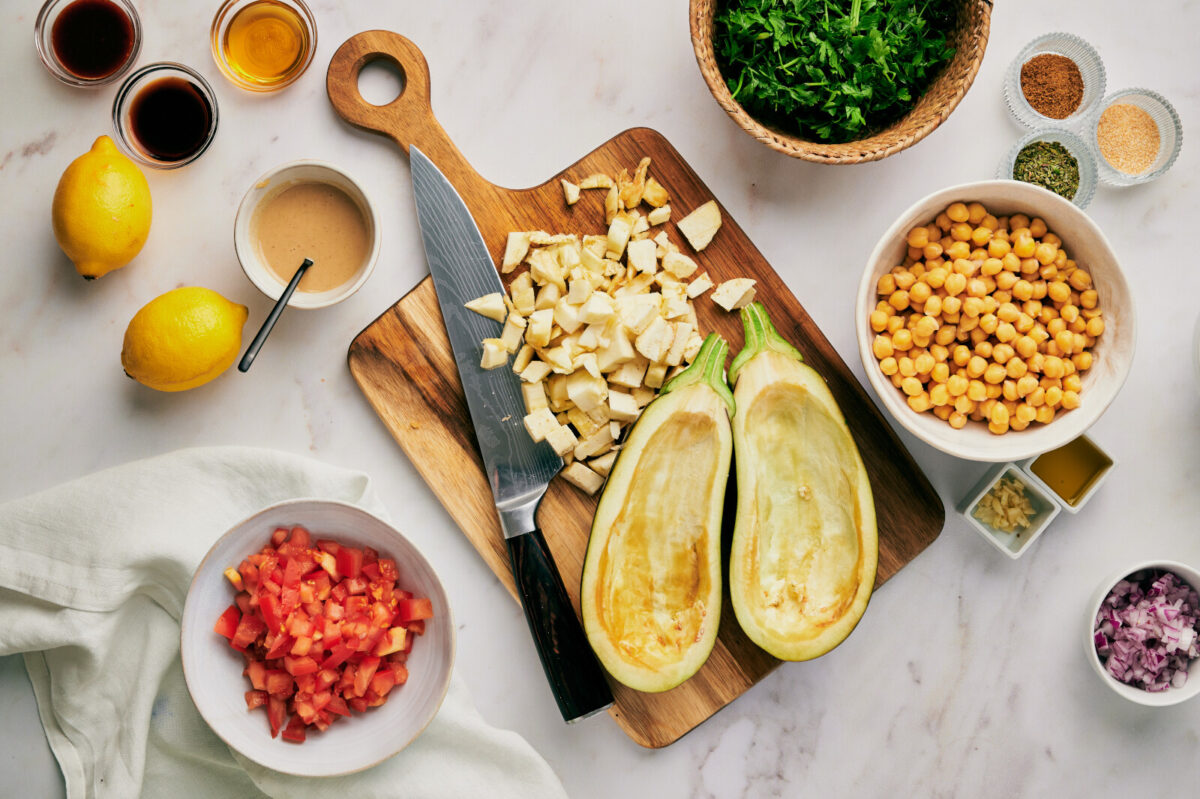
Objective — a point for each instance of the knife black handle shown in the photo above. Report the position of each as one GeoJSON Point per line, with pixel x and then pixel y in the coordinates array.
{"type": "Point", "coordinates": [571, 667]}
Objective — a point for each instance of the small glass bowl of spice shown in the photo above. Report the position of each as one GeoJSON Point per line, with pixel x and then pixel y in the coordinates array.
{"type": "Point", "coordinates": [1056, 160]}
{"type": "Point", "coordinates": [1057, 79]}
{"type": "Point", "coordinates": [1138, 136]}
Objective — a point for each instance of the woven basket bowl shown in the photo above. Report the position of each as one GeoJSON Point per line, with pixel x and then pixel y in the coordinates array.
{"type": "Point", "coordinates": [969, 39]}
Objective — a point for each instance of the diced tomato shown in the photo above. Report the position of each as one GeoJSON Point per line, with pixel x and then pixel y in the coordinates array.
{"type": "Point", "coordinates": [235, 578]}
{"type": "Point", "coordinates": [248, 629]}
{"type": "Point", "coordinates": [357, 703]}
{"type": "Point", "coordinates": [299, 624]}
{"type": "Point", "coordinates": [304, 709]}
{"type": "Point", "coordinates": [388, 571]}
{"type": "Point", "coordinates": [300, 537]}
{"type": "Point", "coordinates": [338, 705]}
{"type": "Point", "coordinates": [381, 615]}
{"type": "Point", "coordinates": [228, 622]}
{"type": "Point", "coordinates": [321, 700]}
{"type": "Point", "coordinates": [280, 683]}
{"type": "Point", "coordinates": [362, 677]}
{"type": "Point", "coordinates": [245, 602]}
{"type": "Point", "coordinates": [355, 605]}
{"type": "Point", "coordinates": [356, 585]}
{"type": "Point", "coordinates": [302, 646]}
{"type": "Point", "coordinates": [349, 561]}
{"type": "Point", "coordinates": [392, 641]}
{"type": "Point", "coordinates": [295, 730]}
{"type": "Point", "coordinates": [400, 672]}
{"type": "Point", "coordinates": [279, 536]}
{"type": "Point", "coordinates": [413, 609]}
{"type": "Point", "coordinates": [338, 656]}
{"type": "Point", "coordinates": [370, 555]}
{"type": "Point", "coordinates": [371, 572]}
{"type": "Point", "coordinates": [306, 684]}
{"type": "Point", "coordinates": [256, 670]}
{"type": "Point", "coordinates": [416, 628]}
{"type": "Point", "coordinates": [276, 711]}
{"type": "Point", "coordinates": [268, 604]}
{"type": "Point", "coordinates": [334, 609]}
{"type": "Point", "coordinates": [325, 545]}
{"type": "Point", "coordinates": [325, 678]}
{"type": "Point", "coordinates": [280, 645]}
{"type": "Point", "coordinates": [300, 665]}
{"type": "Point", "coordinates": [383, 681]}
{"type": "Point", "coordinates": [255, 699]}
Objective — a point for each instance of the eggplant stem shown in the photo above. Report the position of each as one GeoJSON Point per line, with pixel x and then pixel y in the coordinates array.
{"type": "Point", "coordinates": [708, 369]}
{"type": "Point", "coordinates": [761, 336]}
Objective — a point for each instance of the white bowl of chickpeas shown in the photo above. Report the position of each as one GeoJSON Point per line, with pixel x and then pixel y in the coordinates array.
{"type": "Point", "coordinates": [994, 321]}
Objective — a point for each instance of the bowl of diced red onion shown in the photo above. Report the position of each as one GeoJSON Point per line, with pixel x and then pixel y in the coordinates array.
{"type": "Point", "coordinates": [1144, 633]}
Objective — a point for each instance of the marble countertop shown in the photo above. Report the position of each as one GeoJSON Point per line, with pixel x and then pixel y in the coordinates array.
{"type": "Point", "coordinates": [967, 675]}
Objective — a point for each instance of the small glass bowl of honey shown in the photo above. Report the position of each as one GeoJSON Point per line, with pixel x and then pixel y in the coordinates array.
{"type": "Point", "coordinates": [88, 42]}
{"type": "Point", "coordinates": [263, 45]}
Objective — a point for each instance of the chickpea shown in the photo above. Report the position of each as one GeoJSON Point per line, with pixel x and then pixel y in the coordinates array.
{"type": "Point", "coordinates": [1045, 253]}
{"type": "Point", "coordinates": [1054, 396]}
{"type": "Point", "coordinates": [932, 250]}
{"type": "Point", "coordinates": [1037, 397]}
{"type": "Point", "coordinates": [1023, 245]}
{"type": "Point", "coordinates": [918, 237]}
{"type": "Point", "coordinates": [988, 322]}
{"type": "Point", "coordinates": [990, 222]}
{"type": "Point", "coordinates": [1025, 346]}
{"type": "Point", "coordinates": [957, 212]}
{"type": "Point", "coordinates": [1070, 314]}
{"type": "Point", "coordinates": [936, 277]}
{"type": "Point", "coordinates": [940, 373]}
{"type": "Point", "coordinates": [1005, 281]}
{"type": "Point", "coordinates": [1053, 368]}
{"type": "Point", "coordinates": [1024, 323]}
{"type": "Point", "coordinates": [1016, 425]}
{"type": "Point", "coordinates": [906, 367]}
{"type": "Point", "coordinates": [933, 304]}
{"type": "Point", "coordinates": [991, 267]}
{"type": "Point", "coordinates": [999, 428]}
{"type": "Point", "coordinates": [964, 267]}
{"type": "Point", "coordinates": [980, 236]}
{"type": "Point", "coordinates": [920, 403]}
{"type": "Point", "coordinates": [1011, 262]}
{"type": "Point", "coordinates": [957, 420]}
{"type": "Point", "coordinates": [1037, 227]}
{"type": "Point", "coordinates": [1008, 390]}
{"type": "Point", "coordinates": [905, 280]}
{"type": "Point", "coordinates": [1005, 332]}
{"type": "Point", "coordinates": [951, 304]}
{"type": "Point", "coordinates": [1072, 383]}
{"type": "Point", "coordinates": [945, 334]}
{"type": "Point", "coordinates": [1080, 280]}
{"type": "Point", "coordinates": [976, 391]}
{"type": "Point", "coordinates": [1002, 353]}
{"type": "Point", "coordinates": [958, 249]}
{"type": "Point", "coordinates": [913, 255]}
{"type": "Point", "coordinates": [921, 341]}
{"type": "Point", "coordinates": [1021, 290]}
{"type": "Point", "coordinates": [1065, 341]}
{"type": "Point", "coordinates": [984, 349]}
{"type": "Point", "coordinates": [911, 386]}
{"type": "Point", "coordinates": [1058, 291]}
{"type": "Point", "coordinates": [879, 320]}
{"type": "Point", "coordinates": [1045, 414]}
{"type": "Point", "coordinates": [972, 307]}
{"type": "Point", "coordinates": [956, 385]}
{"type": "Point", "coordinates": [924, 363]}
{"type": "Point", "coordinates": [942, 411]}
{"type": "Point", "coordinates": [1056, 326]}
{"type": "Point", "coordinates": [926, 326]}
{"type": "Point", "coordinates": [1088, 299]}
{"type": "Point", "coordinates": [964, 404]}
{"type": "Point", "coordinates": [939, 395]}
{"type": "Point", "coordinates": [1082, 361]}
{"type": "Point", "coordinates": [998, 248]}
{"type": "Point", "coordinates": [976, 288]}
{"type": "Point", "coordinates": [1015, 368]}
{"type": "Point", "coordinates": [1039, 289]}
{"type": "Point", "coordinates": [886, 285]}
{"type": "Point", "coordinates": [994, 374]}
{"type": "Point", "coordinates": [895, 323]}
{"type": "Point", "coordinates": [1018, 221]}
{"type": "Point", "coordinates": [1026, 385]}
{"type": "Point", "coordinates": [1026, 412]}
{"type": "Point", "coordinates": [902, 340]}
{"type": "Point", "coordinates": [1049, 272]}
{"type": "Point", "coordinates": [1030, 267]}
{"type": "Point", "coordinates": [942, 221]}
{"type": "Point", "coordinates": [899, 300]}
{"type": "Point", "coordinates": [969, 323]}
{"type": "Point", "coordinates": [961, 355]}
{"type": "Point", "coordinates": [882, 347]}
{"type": "Point", "coordinates": [955, 284]}
{"type": "Point", "coordinates": [1095, 327]}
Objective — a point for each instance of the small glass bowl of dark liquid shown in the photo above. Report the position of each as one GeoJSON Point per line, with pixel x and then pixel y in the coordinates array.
{"type": "Point", "coordinates": [88, 42]}
{"type": "Point", "coordinates": [165, 115]}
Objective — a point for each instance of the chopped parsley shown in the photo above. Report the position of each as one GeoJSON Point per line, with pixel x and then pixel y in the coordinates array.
{"type": "Point", "coordinates": [831, 70]}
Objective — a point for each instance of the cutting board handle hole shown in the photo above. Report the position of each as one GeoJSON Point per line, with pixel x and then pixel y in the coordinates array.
{"type": "Point", "coordinates": [381, 80]}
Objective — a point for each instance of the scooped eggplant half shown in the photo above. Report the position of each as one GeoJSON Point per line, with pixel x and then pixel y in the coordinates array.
{"type": "Point", "coordinates": [805, 545]}
{"type": "Point", "coordinates": [651, 594]}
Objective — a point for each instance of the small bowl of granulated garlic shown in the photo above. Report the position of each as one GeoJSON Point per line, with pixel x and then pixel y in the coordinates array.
{"type": "Point", "coordinates": [1008, 510]}
{"type": "Point", "coordinates": [1137, 135]}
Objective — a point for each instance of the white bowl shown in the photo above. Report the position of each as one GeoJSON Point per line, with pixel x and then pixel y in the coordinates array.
{"type": "Point", "coordinates": [271, 184]}
{"type": "Point", "coordinates": [213, 669]}
{"type": "Point", "coordinates": [1171, 696]}
{"type": "Point", "coordinates": [1113, 354]}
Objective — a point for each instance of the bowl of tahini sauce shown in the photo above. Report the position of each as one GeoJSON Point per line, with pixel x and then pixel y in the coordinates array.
{"type": "Point", "coordinates": [307, 209]}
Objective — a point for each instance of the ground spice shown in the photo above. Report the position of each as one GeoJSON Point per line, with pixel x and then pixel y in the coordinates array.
{"type": "Point", "coordinates": [1052, 84]}
{"type": "Point", "coordinates": [1128, 138]}
{"type": "Point", "coordinates": [1050, 165]}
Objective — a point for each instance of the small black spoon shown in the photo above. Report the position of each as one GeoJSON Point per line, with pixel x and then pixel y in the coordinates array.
{"type": "Point", "coordinates": [273, 317]}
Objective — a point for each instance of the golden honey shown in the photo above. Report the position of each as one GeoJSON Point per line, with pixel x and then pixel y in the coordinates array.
{"type": "Point", "coordinates": [266, 44]}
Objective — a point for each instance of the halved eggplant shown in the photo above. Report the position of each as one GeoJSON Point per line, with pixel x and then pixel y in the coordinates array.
{"type": "Point", "coordinates": [651, 594]}
{"type": "Point", "coordinates": [805, 546]}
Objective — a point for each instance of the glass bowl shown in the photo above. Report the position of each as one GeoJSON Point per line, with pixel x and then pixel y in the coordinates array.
{"type": "Point", "coordinates": [43, 31]}
{"type": "Point", "coordinates": [1075, 146]}
{"type": "Point", "coordinates": [1170, 136]}
{"type": "Point", "coordinates": [133, 86]}
{"type": "Point", "coordinates": [243, 78]}
{"type": "Point", "coordinates": [1091, 68]}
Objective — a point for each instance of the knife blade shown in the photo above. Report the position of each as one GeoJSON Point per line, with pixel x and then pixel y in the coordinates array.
{"type": "Point", "coordinates": [518, 469]}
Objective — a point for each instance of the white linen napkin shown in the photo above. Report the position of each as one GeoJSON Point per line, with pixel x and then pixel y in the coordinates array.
{"type": "Point", "coordinates": [93, 576]}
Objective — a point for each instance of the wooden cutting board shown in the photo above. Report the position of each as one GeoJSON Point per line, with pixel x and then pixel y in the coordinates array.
{"type": "Point", "coordinates": [403, 363]}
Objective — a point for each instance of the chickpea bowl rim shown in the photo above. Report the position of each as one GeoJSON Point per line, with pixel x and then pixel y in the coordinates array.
{"type": "Point", "coordinates": [974, 442]}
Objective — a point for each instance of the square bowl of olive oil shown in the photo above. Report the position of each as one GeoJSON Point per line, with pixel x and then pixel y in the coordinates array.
{"type": "Point", "coordinates": [1072, 473]}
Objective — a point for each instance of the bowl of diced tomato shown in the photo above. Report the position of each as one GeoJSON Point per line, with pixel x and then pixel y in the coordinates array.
{"type": "Point", "coordinates": [316, 639]}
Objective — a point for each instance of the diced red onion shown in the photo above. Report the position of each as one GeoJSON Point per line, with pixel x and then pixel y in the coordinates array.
{"type": "Point", "coordinates": [1148, 629]}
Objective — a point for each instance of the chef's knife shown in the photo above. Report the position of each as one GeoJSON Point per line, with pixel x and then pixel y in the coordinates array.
{"type": "Point", "coordinates": [518, 469]}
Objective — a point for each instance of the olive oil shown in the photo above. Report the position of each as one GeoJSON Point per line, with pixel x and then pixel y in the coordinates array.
{"type": "Point", "coordinates": [1072, 469]}
{"type": "Point", "coordinates": [267, 44]}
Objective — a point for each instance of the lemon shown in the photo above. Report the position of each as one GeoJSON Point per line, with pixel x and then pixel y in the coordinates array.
{"type": "Point", "coordinates": [101, 211]}
{"type": "Point", "coordinates": [183, 339]}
